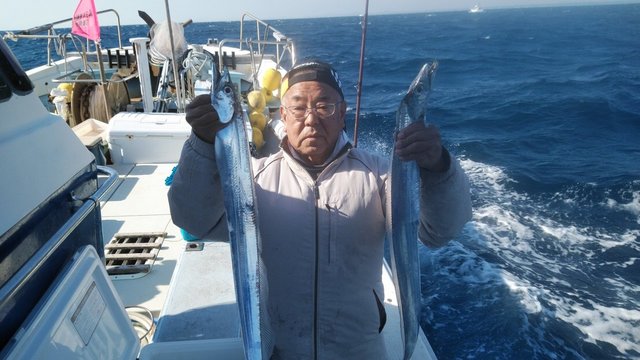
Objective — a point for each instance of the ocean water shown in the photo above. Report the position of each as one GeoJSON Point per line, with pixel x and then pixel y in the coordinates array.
{"type": "Point", "coordinates": [542, 107]}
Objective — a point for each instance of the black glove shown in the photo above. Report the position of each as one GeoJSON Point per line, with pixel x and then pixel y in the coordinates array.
{"type": "Point", "coordinates": [203, 118]}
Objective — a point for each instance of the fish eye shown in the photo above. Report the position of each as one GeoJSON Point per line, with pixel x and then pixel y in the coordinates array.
{"type": "Point", "coordinates": [420, 87]}
{"type": "Point", "coordinates": [227, 90]}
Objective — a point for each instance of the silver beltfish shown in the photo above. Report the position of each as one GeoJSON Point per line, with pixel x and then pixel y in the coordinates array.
{"type": "Point", "coordinates": [403, 212]}
{"type": "Point", "coordinates": [234, 165]}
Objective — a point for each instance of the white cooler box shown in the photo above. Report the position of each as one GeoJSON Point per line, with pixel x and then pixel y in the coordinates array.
{"type": "Point", "coordinates": [147, 137]}
{"type": "Point", "coordinates": [80, 317]}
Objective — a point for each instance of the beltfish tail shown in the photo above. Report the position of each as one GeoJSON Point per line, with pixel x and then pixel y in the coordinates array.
{"type": "Point", "coordinates": [403, 212]}
{"type": "Point", "coordinates": [234, 166]}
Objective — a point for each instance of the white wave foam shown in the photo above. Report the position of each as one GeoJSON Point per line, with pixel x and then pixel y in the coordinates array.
{"type": "Point", "coordinates": [628, 238]}
{"type": "Point", "coordinates": [483, 175]}
{"type": "Point", "coordinates": [632, 206]}
{"type": "Point", "coordinates": [564, 233]}
{"type": "Point", "coordinates": [614, 325]}
{"type": "Point", "coordinates": [500, 225]}
{"type": "Point", "coordinates": [465, 266]}
{"type": "Point", "coordinates": [527, 294]}
{"type": "Point", "coordinates": [548, 263]}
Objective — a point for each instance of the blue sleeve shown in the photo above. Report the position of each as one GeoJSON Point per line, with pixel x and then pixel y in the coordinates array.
{"type": "Point", "coordinates": [195, 195]}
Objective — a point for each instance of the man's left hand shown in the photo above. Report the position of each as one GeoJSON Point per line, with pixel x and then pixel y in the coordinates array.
{"type": "Point", "coordinates": [423, 144]}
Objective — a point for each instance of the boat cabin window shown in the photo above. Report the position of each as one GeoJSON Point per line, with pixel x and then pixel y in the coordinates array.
{"type": "Point", "coordinates": [12, 76]}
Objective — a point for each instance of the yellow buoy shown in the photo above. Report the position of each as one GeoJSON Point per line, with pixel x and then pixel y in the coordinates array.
{"type": "Point", "coordinates": [68, 87]}
{"type": "Point", "coordinates": [258, 119]}
{"type": "Point", "coordinates": [268, 95]}
{"type": "Point", "coordinates": [256, 100]}
{"type": "Point", "coordinates": [258, 139]}
{"type": "Point", "coordinates": [271, 79]}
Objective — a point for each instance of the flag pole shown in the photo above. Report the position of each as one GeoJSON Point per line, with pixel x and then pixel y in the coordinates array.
{"type": "Point", "coordinates": [103, 81]}
{"type": "Point", "coordinates": [85, 23]}
{"type": "Point", "coordinates": [360, 71]}
{"type": "Point", "coordinates": [173, 60]}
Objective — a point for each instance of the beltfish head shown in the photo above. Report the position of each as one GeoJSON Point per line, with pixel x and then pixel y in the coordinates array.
{"type": "Point", "coordinates": [419, 91]}
{"type": "Point", "coordinates": [223, 96]}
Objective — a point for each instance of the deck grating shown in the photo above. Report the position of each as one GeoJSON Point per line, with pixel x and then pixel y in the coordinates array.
{"type": "Point", "coordinates": [132, 253]}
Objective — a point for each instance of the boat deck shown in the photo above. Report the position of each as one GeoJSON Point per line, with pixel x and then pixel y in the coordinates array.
{"type": "Point", "coordinates": [139, 205]}
{"type": "Point", "coordinates": [189, 288]}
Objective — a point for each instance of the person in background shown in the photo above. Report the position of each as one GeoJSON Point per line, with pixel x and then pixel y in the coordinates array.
{"type": "Point", "coordinates": [321, 204]}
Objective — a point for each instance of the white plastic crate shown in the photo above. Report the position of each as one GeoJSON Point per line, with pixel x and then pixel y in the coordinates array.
{"type": "Point", "coordinates": [147, 137]}
{"type": "Point", "coordinates": [81, 317]}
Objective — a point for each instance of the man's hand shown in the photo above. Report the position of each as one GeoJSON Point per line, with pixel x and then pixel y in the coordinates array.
{"type": "Point", "coordinates": [203, 118]}
{"type": "Point", "coordinates": [421, 143]}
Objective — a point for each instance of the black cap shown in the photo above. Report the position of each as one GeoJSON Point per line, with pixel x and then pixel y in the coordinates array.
{"type": "Point", "coordinates": [311, 70]}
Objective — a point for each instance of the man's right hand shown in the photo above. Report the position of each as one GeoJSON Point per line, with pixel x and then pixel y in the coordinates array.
{"type": "Point", "coordinates": [203, 118]}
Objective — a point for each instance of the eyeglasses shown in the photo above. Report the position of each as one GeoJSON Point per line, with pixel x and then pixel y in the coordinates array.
{"type": "Point", "coordinates": [323, 110]}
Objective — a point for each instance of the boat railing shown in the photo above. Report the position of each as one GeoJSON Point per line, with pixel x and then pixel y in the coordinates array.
{"type": "Point", "coordinates": [60, 42]}
{"type": "Point", "coordinates": [53, 37]}
{"type": "Point", "coordinates": [283, 45]}
{"type": "Point", "coordinates": [84, 52]}
{"type": "Point", "coordinates": [69, 77]}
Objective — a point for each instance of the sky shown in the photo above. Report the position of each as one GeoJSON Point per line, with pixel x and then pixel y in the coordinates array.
{"type": "Point", "coordinates": [23, 14]}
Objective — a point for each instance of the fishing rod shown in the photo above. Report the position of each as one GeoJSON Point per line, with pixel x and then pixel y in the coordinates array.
{"type": "Point", "coordinates": [360, 71]}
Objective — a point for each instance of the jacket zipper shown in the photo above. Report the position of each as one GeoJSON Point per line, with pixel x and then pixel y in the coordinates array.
{"type": "Point", "coordinates": [315, 284]}
{"type": "Point", "coordinates": [330, 211]}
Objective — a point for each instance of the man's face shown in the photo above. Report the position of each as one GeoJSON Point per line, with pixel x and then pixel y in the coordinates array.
{"type": "Point", "coordinates": [313, 137]}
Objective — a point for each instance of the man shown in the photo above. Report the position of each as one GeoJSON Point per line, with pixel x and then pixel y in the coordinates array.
{"type": "Point", "coordinates": [322, 221]}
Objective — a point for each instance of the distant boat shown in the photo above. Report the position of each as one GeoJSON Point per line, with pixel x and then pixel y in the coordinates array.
{"type": "Point", "coordinates": [476, 9]}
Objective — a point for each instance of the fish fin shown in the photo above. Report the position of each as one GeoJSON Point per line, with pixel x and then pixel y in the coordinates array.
{"type": "Point", "coordinates": [147, 19]}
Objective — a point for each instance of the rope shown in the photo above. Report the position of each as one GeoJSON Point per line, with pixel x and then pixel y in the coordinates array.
{"type": "Point", "coordinates": [155, 57]}
{"type": "Point", "coordinates": [195, 62]}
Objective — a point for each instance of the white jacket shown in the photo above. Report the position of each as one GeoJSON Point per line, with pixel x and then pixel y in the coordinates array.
{"type": "Point", "coordinates": [322, 240]}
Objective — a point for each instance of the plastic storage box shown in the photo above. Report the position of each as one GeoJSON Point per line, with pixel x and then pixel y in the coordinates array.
{"type": "Point", "coordinates": [147, 137]}
{"type": "Point", "coordinates": [93, 134]}
{"type": "Point", "coordinates": [80, 317]}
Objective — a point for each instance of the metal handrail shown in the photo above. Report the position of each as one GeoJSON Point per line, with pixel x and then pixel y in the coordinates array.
{"type": "Point", "coordinates": [61, 78]}
{"type": "Point", "coordinates": [259, 22]}
{"type": "Point", "coordinates": [107, 185]}
{"type": "Point", "coordinates": [31, 33]}
{"type": "Point", "coordinates": [39, 258]}
{"type": "Point", "coordinates": [282, 42]}
{"type": "Point", "coordinates": [282, 48]}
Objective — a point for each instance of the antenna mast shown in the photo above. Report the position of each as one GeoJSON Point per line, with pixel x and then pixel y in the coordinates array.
{"type": "Point", "coordinates": [359, 86]}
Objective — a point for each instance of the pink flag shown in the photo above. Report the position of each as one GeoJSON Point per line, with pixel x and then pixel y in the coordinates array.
{"type": "Point", "coordinates": [85, 21]}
